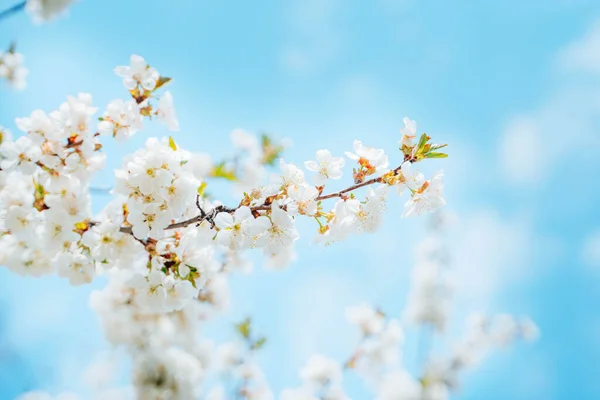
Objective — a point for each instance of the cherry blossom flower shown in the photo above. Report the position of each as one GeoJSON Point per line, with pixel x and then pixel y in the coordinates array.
{"type": "Point", "coordinates": [370, 158]}
{"type": "Point", "coordinates": [369, 320]}
{"type": "Point", "coordinates": [409, 132]}
{"type": "Point", "coordinates": [166, 112]}
{"type": "Point", "coordinates": [297, 394]}
{"type": "Point", "coordinates": [291, 176]}
{"type": "Point", "coordinates": [122, 120]}
{"type": "Point", "coordinates": [78, 268]}
{"type": "Point", "coordinates": [138, 73]}
{"type": "Point", "coordinates": [327, 167]}
{"type": "Point", "coordinates": [428, 198]}
{"type": "Point", "coordinates": [238, 230]}
{"type": "Point", "coordinates": [303, 200]}
{"type": "Point", "coordinates": [279, 232]}
{"type": "Point", "coordinates": [21, 153]}
{"type": "Point", "coordinates": [413, 179]}
{"type": "Point", "coordinates": [46, 10]}
{"type": "Point", "coordinates": [12, 69]}
{"type": "Point", "coordinates": [320, 371]}
{"type": "Point", "coordinates": [399, 385]}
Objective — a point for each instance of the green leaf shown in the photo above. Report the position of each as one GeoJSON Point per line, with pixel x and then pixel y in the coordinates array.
{"type": "Point", "coordinates": [220, 171]}
{"type": "Point", "coordinates": [172, 144]}
{"type": "Point", "coordinates": [257, 345]}
{"type": "Point", "coordinates": [265, 139]}
{"type": "Point", "coordinates": [202, 189]}
{"type": "Point", "coordinates": [244, 328]}
{"type": "Point", "coordinates": [436, 155]}
{"type": "Point", "coordinates": [422, 140]}
{"type": "Point", "coordinates": [271, 151]}
{"type": "Point", "coordinates": [162, 81]}
{"type": "Point", "coordinates": [438, 146]}
{"type": "Point", "coordinates": [13, 47]}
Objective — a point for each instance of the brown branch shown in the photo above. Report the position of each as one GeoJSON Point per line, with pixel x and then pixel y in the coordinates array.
{"type": "Point", "coordinates": [209, 216]}
{"type": "Point", "coordinates": [12, 10]}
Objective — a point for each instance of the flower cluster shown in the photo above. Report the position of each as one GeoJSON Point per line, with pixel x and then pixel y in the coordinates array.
{"type": "Point", "coordinates": [429, 299]}
{"type": "Point", "coordinates": [379, 342]}
{"type": "Point", "coordinates": [321, 379]}
{"type": "Point", "coordinates": [12, 69]}
{"type": "Point", "coordinates": [46, 10]}
{"type": "Point", "coordinates": [46, 200]}
{"type": "Point", "coordinates": [122, 119]}
{"type": "Point", "coordinates": [158, 186]}
{"type": "Point", "coordinates": [377, 358]}
{"type": "Point", "coordinates": [241, 376]}
{"type": "Point", "coordinates": [168, 246]}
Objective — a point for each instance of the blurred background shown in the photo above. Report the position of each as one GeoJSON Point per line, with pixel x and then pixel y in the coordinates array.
{"type": "Point", "coordinates": [512, 86]}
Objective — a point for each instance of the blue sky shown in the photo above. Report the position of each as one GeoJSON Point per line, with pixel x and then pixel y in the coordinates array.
{"type": "Point", "coordinates": [512, 86]}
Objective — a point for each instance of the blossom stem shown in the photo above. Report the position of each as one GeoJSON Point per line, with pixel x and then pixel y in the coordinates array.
{"type": "Point", "coordinates": [209, 216]}
{"type": "Point", "coordinates": [14, 9]}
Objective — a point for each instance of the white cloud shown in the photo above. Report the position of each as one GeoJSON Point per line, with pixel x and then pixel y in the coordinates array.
{"type": "Point", "coordinates": [535, 144]}
{"type": "Point", "coordinates": [583, 54]}
{"type": "Point", "coordinates": [489, 254]}
{"type": "Point", "coordinates": [590, 252]}
{"type": "Point", "coordinates": [520, 158]}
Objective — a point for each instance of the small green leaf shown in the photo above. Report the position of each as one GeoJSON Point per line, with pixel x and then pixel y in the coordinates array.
{"type": "Point", "coordinates": [422, 140]}
{"type": "Point", "coordinates": [436, 155]}
{"type": "Point", "coordinates": [271, 151]}
{"type": "Point", "coordinates": [172, 144]}
{"type": "Point", "coordinates": [265, 139]}
{"type": "Point", "coordinates": [244, 328]}
{"type": "Point", "coordinates": [438, 146]}
{"type": "Point", "coordinates": [257, 345]}
{"type": "Point", "coordinates": [220, 170]}
{"type": "Point", "coordinates": [100, 119]}
{"type": "Point", "coordinates": [162, 81]}
{"type": "Point", "coordinates": [202, 189]}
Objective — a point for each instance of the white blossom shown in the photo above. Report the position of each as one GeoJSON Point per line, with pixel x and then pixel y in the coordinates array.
{"type": "Point", "coordinates": [279, 231]}
{"type": "Point", "coordinates": [238, 230]}
{"type": "Point", "coordinates": [372, 158]}
{"type": "Point", "coordinates": [46, 10]}
{"type": "Point", "coordinates": [122, 119]}
{"type": "Point", "coordinates": [428, 198]}
{"type": "Point", "coordinates": [399, 385]}
{"type": "Point", "coordinates": [12, 69]}
{"type": "Point", "coordinates": [320, 371]}
{"type": "Point", "coordinates": [409, 132]}
{"type": "Point", "coordinates": [326, 166]}
{"type": "Point", "coordinates": [369, 320]}
{"type": "Point", "coordinates": [166, 111]}
{"type": "Point", "coordinates": [138, 73]}
{"type": "Point", "coordinates": [21, 153]}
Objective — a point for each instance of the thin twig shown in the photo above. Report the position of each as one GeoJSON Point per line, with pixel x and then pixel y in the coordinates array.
{"type": "Point", "coordinates": [12, 10]}
{"type": "Point", "coordinates": [209, 216]}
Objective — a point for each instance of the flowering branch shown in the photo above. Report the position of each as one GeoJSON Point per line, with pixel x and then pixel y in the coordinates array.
{"type": "Point", "coordinates": [204, 216]}
{"type": "Point", "coordinates": [12, 10]}
{"type": "Point", "coordinates": [52, 230]}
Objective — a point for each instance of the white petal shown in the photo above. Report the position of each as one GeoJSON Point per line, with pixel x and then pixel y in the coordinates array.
{"type": "Point", "coordinates": [223, 220]}
{"type": "Point", "coordinates": [323, 155]}
{"type": "Point", "coordinates": [242, 213]}
{"type": "Point", "coordinates": [311, 165]}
